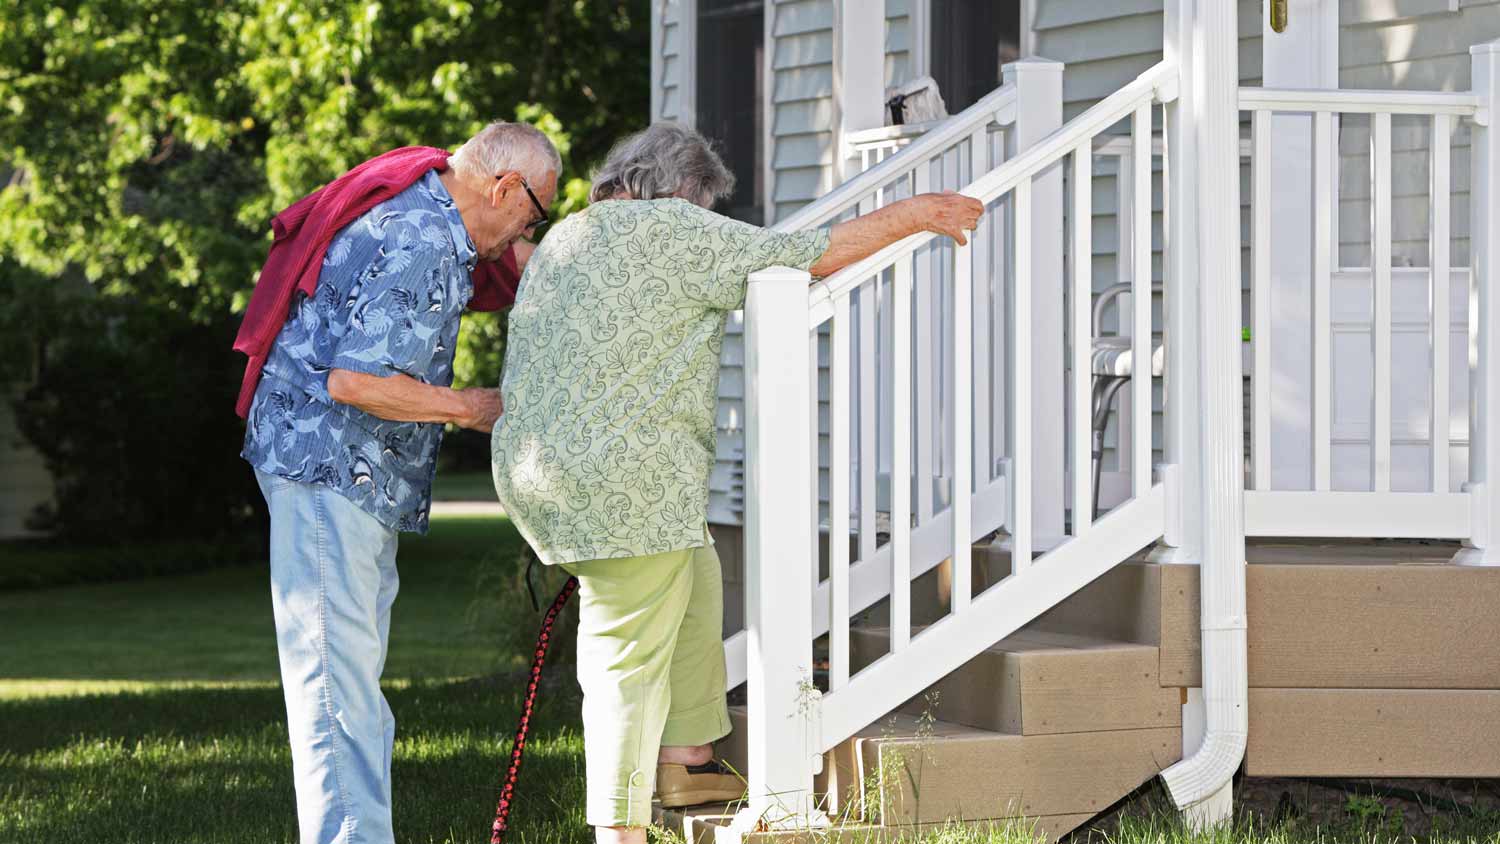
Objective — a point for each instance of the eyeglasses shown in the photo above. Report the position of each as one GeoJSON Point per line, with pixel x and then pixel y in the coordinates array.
{"type": "Point", "coordinates": [542, 220]}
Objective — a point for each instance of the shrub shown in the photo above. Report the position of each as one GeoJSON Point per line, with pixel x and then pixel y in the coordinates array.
{"type": "Point", "coordinates": [131, 409]}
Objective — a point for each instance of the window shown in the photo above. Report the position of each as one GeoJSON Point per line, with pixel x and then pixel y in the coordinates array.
{"type": "Point", "coordinates": [731, 47]}
{"type": "Point", "coordinates": [971, 40]}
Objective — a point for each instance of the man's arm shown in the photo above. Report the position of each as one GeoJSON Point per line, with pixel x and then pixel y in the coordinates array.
{"type": "Point", "coordinates": [402, 398]}
{"type": "Point", "coordinates": [946, 213]}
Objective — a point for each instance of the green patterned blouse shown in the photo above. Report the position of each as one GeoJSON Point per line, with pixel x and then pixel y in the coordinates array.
{"type": "Point", "coordinates": [612, 374]}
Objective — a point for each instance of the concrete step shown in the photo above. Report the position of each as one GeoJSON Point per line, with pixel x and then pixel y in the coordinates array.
{"type": "Point", "coordinates": [1043, 682]}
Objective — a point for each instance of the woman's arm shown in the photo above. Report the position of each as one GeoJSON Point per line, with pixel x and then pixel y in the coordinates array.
{"type": "Point", "coordinates": [945, 213]}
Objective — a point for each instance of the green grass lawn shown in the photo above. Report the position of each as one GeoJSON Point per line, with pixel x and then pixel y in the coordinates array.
{"type": "Point", "coordinates": [149, 711]}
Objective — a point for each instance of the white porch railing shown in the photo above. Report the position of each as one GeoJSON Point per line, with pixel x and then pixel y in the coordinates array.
{"type": "Point", "coordinates": [791, 722]}
{"type": "Point", "coordinates": [884, 180]}
{"type": "Point", "coordinates": [1386, 376]}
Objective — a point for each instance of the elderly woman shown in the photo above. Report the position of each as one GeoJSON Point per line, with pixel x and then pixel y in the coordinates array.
{"type": "Point", "coordinates": [603, 454]}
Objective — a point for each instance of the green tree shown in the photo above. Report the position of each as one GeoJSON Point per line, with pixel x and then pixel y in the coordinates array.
{"type": "Point", "coordinates": [145, 146]}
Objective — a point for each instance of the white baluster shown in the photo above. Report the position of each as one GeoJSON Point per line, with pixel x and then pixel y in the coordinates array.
{"type": "Point", "coordinates": [1260, 292]}
{"type": "Point", "coordinates": [962, 431]}
{"type": "Point", "coordinates": [1442, 285]}
{"type": "Point", "coordinates": [1140, 287]}
{"type": "Point", "coordinates": [1324, 212]}
{"type": "Point", "coordinates": [1081, 299]}
{"type": "Point", "coordinates": [901, 415]}
{"type": "Point", "coordinates": [1380, 439]}
{"type": "Point", "coordinates": [982, 332]}
{"type": "Point", "coordinates": [1021, 357]}
{"type": "Point", "coordinates": [926, 373]}
{"type": "Point", "coordinates": [869, 466]}
{"type": "Point", "coordinates": [838, 496]}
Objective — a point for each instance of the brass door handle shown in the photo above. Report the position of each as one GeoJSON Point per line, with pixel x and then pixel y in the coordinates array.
{"type": "Point", "coordinates": [1278, 15]}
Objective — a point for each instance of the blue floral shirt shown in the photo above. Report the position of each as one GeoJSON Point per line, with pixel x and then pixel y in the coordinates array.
{"type": "Point", "coordinates": [392, 290]}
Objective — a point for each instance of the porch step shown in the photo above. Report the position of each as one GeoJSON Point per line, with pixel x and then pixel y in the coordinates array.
{"type": "Point", "coordinates": [706, 825]}
{"type": "Point", "coordinates": [907, 771]}
{"type": "Point", "coordinates": [1041, 682]}
{"type": "Point", "coordinates": [923, 772]}
{"type": "Point", "coordinates": [1046, 726]}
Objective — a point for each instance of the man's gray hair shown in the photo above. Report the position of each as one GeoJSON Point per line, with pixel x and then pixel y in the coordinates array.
{"type": "Point", "coordinates": [503, 146]}
{"type": "Point", "coordinates": [664, 160]}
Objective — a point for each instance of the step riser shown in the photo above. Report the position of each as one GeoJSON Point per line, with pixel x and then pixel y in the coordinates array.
{"type": "Point", "coordinates": [1040, 688]}
{"type": "Point", "coordinates": [1009, 776]}
{"type": "Point", "coordinates": [1348, 627]}
{"type": "Point", "coordinates": [1373, 733]}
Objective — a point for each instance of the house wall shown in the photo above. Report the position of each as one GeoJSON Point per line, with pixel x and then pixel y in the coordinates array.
{"type": "Point", "coordinates": [671, 60]}
{"type": "Point", "coordinates": [24, 482]}
{"type": "Point", "coordinates": [1413, 44]}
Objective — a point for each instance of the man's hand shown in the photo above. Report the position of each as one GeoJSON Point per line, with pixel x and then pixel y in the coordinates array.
{"type": "Point", "coordinates": [952, 214]}
{"type": "Point", "coordinates": [401, 398]}
{"type": "Point", "coordinates": [483, 408]}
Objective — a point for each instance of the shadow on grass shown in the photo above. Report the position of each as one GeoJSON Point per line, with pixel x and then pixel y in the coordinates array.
{"type": "Point", "coordinates": [212, 765]}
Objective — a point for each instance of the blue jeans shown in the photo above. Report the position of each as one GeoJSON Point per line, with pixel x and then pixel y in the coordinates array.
{"type": "Point", "coordinates": [333, 580]}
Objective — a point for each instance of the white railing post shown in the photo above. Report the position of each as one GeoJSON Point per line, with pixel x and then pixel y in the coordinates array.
{"type": "Point", "coordinates": [1038, 114]}
{"type": "Point", "coordinates": [783, 704]}
{"type": "Point", "coordinates": [1484, 415]}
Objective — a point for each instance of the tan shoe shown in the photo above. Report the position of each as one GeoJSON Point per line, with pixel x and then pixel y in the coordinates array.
{"type": "Point", "coordinates": [693, 785]}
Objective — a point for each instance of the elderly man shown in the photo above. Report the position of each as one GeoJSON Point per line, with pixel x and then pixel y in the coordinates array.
{"type": "Point", "coordinates": [603, 455]}
{"type": "Point", "coordinates": [345, 421]}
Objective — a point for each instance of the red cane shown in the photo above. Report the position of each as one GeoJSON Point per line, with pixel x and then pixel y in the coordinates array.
{"type": "Point", "coordinates": [518, 749]}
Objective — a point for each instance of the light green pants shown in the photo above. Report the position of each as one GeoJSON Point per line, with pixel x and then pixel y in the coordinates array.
{"type": "Point", "coordinates": [651, 664]}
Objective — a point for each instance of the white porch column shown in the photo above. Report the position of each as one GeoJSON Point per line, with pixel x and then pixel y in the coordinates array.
{"type": "Point", "coordinates": [1199, 784]}
{"type": "Point", "coordinates": [1484, 413]}
{"type": "Point", "coordinates": [1038, 114]}
{"type": "Point", "coordinates": [783, 705]}
{"type": "Point", "coordinates": [859, 75]}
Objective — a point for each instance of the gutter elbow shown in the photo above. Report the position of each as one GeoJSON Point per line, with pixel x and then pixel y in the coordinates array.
{"type": "Point", "coordinates": [1202, 775]}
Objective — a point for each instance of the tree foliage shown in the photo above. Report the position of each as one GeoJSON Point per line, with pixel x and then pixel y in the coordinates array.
{"type": "Point", "coordinates": [152, 142]}
{"type": "Point", "coordinates": [144, 147]}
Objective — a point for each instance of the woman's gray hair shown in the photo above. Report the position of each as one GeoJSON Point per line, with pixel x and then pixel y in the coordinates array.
{"type": "Point", "coordinates": [660, 161]}
{"type": "Point", "coordinates": [503, 146]}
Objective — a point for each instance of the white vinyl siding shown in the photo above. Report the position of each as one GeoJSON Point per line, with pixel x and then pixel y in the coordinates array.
{"type": "Point", "coordinates": [802, 105]}
{"type": "Point", "coordinates": [899, 31]}
{"type": "Point", "coordinates": [670, 65]}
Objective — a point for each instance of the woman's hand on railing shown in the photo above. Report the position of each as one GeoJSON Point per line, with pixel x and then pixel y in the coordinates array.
{"type": "Point", "coordinates": [950, 213]}
{"type": "Point", "coordinates": [946, 213]}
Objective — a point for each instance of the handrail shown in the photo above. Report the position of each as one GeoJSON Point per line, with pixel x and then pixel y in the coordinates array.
{"type": "Point", "coordinates": [849, 194]}
{"type": "Point", "coordinates": [1352, 101]}
{"type": "Point", "coordinates": [997, 182]}
{"type": "Point", "coordinates": [889, 134]}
